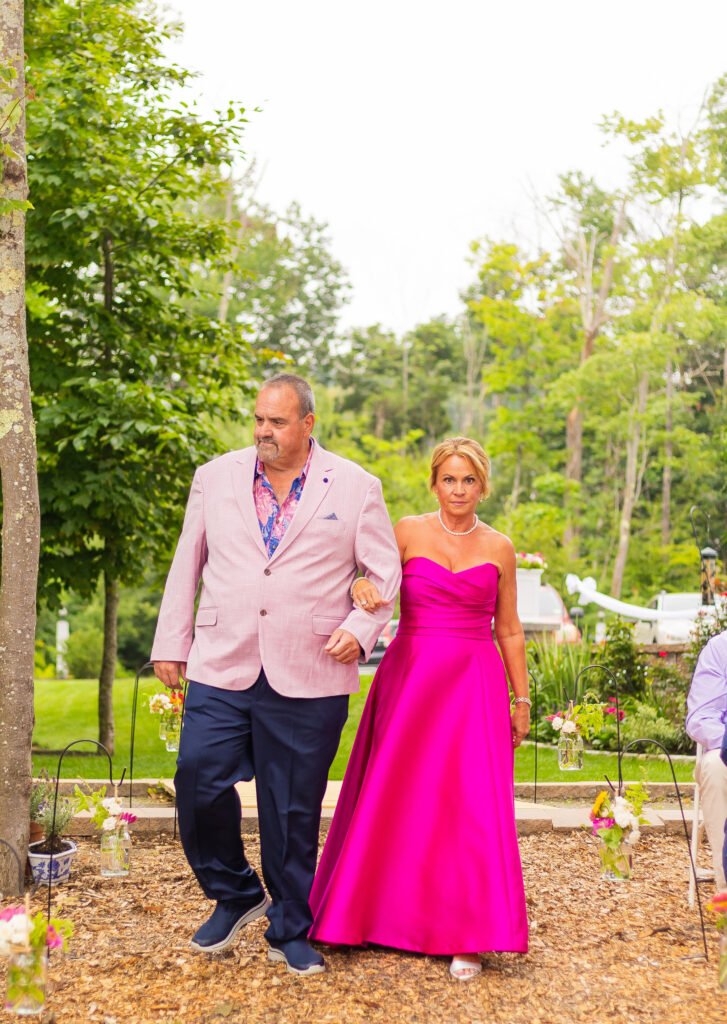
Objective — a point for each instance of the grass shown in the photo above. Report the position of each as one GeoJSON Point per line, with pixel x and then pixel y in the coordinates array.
{"type": "Point", "coordinates": [66, 710]}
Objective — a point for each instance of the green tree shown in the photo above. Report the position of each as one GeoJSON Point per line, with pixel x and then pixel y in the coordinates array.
{"type": "Point", "coordinates": [127, 375]}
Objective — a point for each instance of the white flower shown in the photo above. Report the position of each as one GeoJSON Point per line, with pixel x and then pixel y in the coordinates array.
{"type": "Point", "coordinates": [159, 702]}
{"type": "Point", "coordinates": [569, 726]}
{"type": "Point", "coordinates": [112, 806]}
{"type": "Point", "coordinates": [621, 812]}
{"type": "Point", "coordinates": [109, 824]}
{"type": "Point", "coordinates": [557, 723]}
{"type": "Point", "coordinates": [14, 931]}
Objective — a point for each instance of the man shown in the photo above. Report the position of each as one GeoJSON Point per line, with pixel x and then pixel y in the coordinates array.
{"type": "Point", "coordinates": [277, 534]}
{"type": "Point", "coordinates": [706, 720]}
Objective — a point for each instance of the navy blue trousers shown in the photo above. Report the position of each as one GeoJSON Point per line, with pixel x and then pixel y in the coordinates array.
{"type": "Point", "coordinates": [287, 744]}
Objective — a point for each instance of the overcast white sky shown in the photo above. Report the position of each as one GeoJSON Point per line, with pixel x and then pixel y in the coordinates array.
{"type": "Point", "coordinates": [413, 127]}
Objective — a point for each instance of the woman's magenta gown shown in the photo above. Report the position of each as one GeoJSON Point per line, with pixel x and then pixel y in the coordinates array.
{"type": "Point", "coordinates": [422, 852]}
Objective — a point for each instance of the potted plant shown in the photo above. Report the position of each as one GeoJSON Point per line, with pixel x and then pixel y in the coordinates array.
{"type": "Point", "coordinates": [51, 858]}
{"type": "Point", "coordinates": [25, 939]}
{"type": "Point", "coordinates": [108, 815]}
{"type": "Point", "coordinates": [42, 792]}
{"type": "Point", "coordinates": [529, 568]}
{"type": "Point", "coordinates": [576, 723]}
{"type": "Point", "coordinates": [612, 815]}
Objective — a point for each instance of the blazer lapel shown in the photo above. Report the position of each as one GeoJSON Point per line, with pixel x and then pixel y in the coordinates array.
{"type": "Point", "coordinates": [243, 478]}
{"type": "Point", "coordinates": [317, 483]}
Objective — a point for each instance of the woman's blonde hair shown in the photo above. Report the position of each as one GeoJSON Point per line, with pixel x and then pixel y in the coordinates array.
{"type": "Point", "coordinates": [467, 449]}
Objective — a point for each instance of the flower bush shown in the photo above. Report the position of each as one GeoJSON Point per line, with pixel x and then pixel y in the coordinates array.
{"type": "Point", "coordinates": [530, 560]}
{"type": "Point", "coordinates": [612, 815]}
{"type": "Point", "coordinates": [53, 822]}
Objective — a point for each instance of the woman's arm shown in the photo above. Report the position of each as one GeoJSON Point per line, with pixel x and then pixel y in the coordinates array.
{"type": "Point", "coordinates": [511, 641]}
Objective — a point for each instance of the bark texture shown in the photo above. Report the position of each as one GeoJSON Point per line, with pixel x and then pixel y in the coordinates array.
{"type": "Point", "coordinates": [18, 472]}
{"type": "Point", "coordinates": [106, 727]}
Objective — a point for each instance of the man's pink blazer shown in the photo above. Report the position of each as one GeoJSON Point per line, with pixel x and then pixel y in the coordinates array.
{"type": "Point", "coordinates": [276, 612]}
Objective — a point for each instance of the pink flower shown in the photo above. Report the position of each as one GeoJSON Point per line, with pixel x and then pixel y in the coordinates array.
{"type": "Point", "coordinates": [128, 818]}
{"type": "Point", "coordinates": [53, 939]}
{"type": "Point", "coordinates": [602, 823]}
{"type": "Point", "coordinates": [662, 654]}
{"type": "Point", "coordinates": [10, 912]}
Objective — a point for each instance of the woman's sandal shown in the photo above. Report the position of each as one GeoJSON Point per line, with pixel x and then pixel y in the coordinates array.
{"type": "Point", "coordinates": [464, 970]}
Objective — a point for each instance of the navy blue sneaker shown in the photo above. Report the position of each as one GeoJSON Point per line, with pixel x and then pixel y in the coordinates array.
{"type": "Point", "coordinates": [298, 955]}
{"type": "Point", "coordinates": [228, 917]}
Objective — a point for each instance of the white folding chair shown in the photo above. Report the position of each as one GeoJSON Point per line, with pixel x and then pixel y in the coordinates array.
{"type": "Point", "coordinates": [703, 874]}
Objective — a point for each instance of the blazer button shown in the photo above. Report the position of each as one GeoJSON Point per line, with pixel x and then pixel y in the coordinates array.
{"type": "Point", "coordinates": [263, 612]}
{"type": "Point", "coordinates": [267, 571]}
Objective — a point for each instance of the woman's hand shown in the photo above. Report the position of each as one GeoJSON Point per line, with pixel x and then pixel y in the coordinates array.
{"type": "Point", "coordinates": [520, 721]}
{"type": "Point", "coordinates": [366, 596]}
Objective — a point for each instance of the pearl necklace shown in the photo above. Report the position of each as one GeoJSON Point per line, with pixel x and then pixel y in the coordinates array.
{"type": "Point", "coordinates": [457, 533]}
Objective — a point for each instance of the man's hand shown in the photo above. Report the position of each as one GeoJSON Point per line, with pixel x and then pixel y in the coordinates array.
{"type": "Point", "coordinates": [343, 646]}
{"type": "Point", "coordinates": [169, 672]}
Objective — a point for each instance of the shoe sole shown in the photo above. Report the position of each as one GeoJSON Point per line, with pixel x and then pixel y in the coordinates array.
{"type": "Point", "coordinates": [277, 956]}
{"type": "Point", "coordinates": [252, 915]}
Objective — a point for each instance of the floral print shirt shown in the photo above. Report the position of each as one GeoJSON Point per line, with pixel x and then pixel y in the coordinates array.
{"type": "Point", "coordinates": [275, 519]}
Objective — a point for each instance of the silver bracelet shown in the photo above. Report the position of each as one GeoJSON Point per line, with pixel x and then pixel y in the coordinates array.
{"type": "Point", "coordinates": [524, 700]}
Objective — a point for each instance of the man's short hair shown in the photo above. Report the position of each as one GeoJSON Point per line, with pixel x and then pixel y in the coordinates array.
{"type": "Point", "coordinates": [306, 398]}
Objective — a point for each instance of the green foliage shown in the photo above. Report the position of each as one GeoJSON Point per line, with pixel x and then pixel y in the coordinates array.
{"type": "Point", "coordinates": [556, 668]}
{"type": "Point", "coordinates": [705, 628]}
{"type": "Point", "coordinates": [623, 658]}
{"type": "Point", "coordinates": [126, 372]}
{"type": "Point", "coordinates": [83, 653]}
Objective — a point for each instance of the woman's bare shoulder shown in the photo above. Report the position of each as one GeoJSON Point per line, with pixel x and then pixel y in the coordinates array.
{"type": "Point", "coordinates": [499, 541]}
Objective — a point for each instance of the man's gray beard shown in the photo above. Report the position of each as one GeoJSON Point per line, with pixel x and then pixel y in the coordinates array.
{"type": "Point", "coordinates": [269, 444]}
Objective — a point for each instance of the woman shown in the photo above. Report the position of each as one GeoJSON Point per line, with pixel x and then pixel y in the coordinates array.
{"type": "Point", "coordinates": [422, 852]}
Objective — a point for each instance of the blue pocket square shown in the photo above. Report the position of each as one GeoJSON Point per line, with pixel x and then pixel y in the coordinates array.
{"type": "Point", "coordinates": [332, 515]}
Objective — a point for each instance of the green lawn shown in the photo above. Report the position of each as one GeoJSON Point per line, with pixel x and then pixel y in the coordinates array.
{"type": "Point", "coordinates": [66, 710]}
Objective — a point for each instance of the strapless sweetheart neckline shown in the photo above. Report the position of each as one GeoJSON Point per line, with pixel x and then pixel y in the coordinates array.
{"type": "Point", "coordinates": [452, 572]}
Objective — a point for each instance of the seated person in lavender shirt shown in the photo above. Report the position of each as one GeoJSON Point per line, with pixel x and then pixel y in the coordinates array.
{"type": "Point", "coordinates": [706, 721]}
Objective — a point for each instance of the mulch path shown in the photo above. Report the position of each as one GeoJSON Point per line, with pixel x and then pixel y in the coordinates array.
{"type": "Point", "coordinates": [600, 952]}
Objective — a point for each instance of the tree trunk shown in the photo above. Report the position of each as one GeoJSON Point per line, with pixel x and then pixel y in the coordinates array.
{"type": "Point", "coordinates": [630, 486]}
{"type": "Point", "coordinates": [108, 664]}
{"type": "Point", "coordinates": [668, 453]}
{"type": "Point", "coordinates": [18, 472]}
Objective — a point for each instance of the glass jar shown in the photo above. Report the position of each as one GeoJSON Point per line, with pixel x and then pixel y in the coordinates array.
{"type": "Point", "coordinates": [26, 981]}
{"type": "Point", "coordinates": [162, 725]}
{"type": "Point", "coordinates": [616, 862]}
{"type": "Point", "coordinates": [115, 851]}
{"type": "Point", "coordinates": [570, 751]}
{"type": "Point", "coordinates": [173, 731]}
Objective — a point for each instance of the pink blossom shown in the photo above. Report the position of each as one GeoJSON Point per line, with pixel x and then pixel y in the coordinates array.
{"type": "Point", "coordinates": [53, 939]}
{"type": "Point", "coordinates": [602, 823]}
{"type": "Point", "coordinates": [128, 818]}
{"type": "Point", "coordinates": [10, 912]}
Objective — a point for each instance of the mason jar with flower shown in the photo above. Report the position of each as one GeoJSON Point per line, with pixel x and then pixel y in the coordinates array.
{"type": "Point", "coordinates": [108, 815]}
{"type": "Point", "coordinates": [613, 816]}
{"type": "Point", "coordinates": [169, 707]}
{"type": "Point", "coordinates": [25, 940]}
{"type": "Point", "coordinates": [576, 723]}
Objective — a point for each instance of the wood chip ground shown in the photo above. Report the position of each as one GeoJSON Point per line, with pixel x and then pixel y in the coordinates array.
{"type": "Point", "coordinates": [600, 952]}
